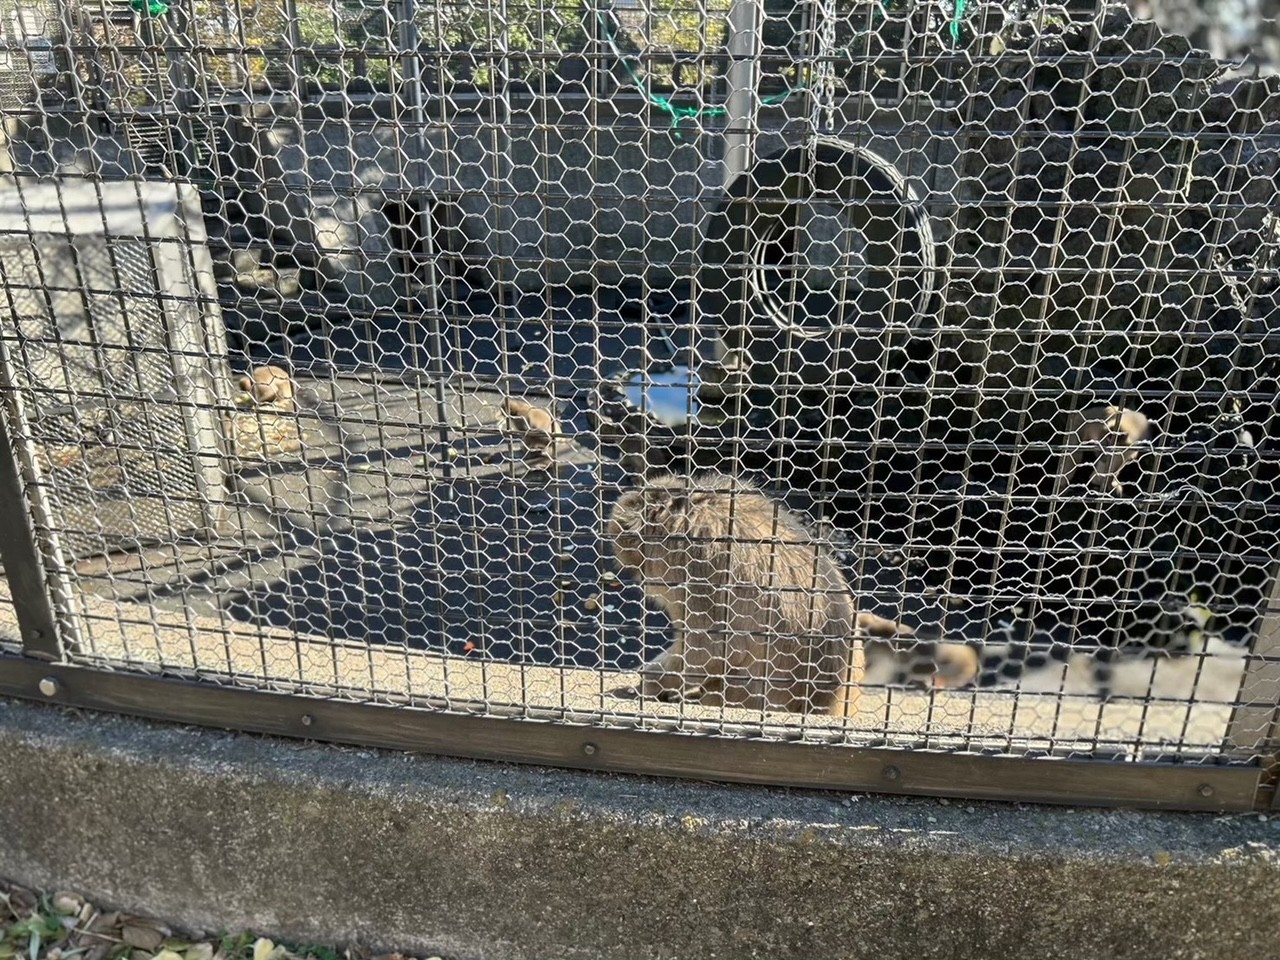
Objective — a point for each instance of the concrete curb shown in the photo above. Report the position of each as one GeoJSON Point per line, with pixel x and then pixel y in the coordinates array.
{"type": "Point", "coordinates": [478, 860]}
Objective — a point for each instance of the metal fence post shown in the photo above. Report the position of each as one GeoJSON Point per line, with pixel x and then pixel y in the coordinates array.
{"type": "Point", "coordinates": [297, 61]}
{"type": "Point", "coordinates": [746, 21]}
{"type": "Point", "coordinates": [178, 44]}
{"type": "Point", "coordinates": [23, 567]}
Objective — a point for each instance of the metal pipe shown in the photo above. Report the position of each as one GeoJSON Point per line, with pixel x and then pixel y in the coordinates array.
{"type": "Point", "coordinates": [746, 21]}
{"type": "Point", "coordinates": [413, 101]}
{"type": "Point", "coordinates": [179, 43]}
{"type": "Point", "coordinates": [31, 588]}
{"type": "Point", "coordinates": [297, 61]}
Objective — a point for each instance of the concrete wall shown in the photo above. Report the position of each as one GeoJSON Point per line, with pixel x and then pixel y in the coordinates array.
{"type": "Point", "coordinates": [480, 860]}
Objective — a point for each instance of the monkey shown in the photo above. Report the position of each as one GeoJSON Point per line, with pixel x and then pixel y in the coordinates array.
{"type": "Point", "coordinates": [1106, 438]}
{"type": "Point", "coordinates": [268, 386]}
{"type": "Point", "coordinates": [1230, 425]}
{"type": "Point", "coordinates": [1194, 658]}
{"type": "Point", "coordinates": [267, 427]}
{"type": "Point", "coordinates": [947, 664]}
{"type": "Point", "coordinates": [271, 429]}
{"type": "Point", "coordinates": [1015, 649]}
{"type": "Point", "coordinates": [764, 617]}
{"type": "Point", "coordinates": [536, 429]}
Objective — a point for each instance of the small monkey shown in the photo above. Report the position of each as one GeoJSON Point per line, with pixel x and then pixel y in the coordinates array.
{"type": "Point", "coordinates": [763, 616]}
{"type": "Point", "coordinates": [268, 386]}
{"type": "Point", "coordinates": [1198, 664]}
{"type": "Point", "coordinates": [268, 427]}
{"type": "Point", "coordinates": [1106, 438]}
{"type": "Point", "coordinates": [536, 429]}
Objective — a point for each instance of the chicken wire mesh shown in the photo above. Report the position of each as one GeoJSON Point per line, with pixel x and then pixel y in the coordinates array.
{"type": "Point", "coordinates": [874, 373]}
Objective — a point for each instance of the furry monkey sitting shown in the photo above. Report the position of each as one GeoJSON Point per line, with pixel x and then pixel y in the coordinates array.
{"type": "Point", "coordinates": [764, 617]}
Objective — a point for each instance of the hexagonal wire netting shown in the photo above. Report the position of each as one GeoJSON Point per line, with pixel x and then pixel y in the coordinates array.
{"type": "Point", "coordinates": [864, 371]}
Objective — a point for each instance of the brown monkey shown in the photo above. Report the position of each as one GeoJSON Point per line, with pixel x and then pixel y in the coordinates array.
{"type": "Point", "coordinates": [763, 616]}
{"type": "Point", "coordinates": [1106, 438]}
{"type": "Point", "coordinates": [269, 386]}
{"type": "Point", "coordinates": [534, 428]}
{"type": "Point", "coordinates": [268, 427]}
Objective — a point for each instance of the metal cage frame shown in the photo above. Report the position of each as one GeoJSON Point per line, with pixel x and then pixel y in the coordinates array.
{"type": "Point", "coordinates": [176, 138]}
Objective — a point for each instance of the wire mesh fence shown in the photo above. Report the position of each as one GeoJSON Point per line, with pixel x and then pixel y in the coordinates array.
{"type": "Point", "coordinates": [877, 374]}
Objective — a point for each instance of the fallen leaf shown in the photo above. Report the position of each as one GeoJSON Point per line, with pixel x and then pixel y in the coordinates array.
{"type": "Point", "coordinates": [105, 922]}
{"type": "Point", "coordinates": [141, 955]}
{"type": "Point", "coordinates": [167, 954]}
{"type": "Point", "coordinates": [263, 948]}
{"type": "Point", "coordinates": [200, 951]}
{"type": "Point", "coordinates": [143, 938]}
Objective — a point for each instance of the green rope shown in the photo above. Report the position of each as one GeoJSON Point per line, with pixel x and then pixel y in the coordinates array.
{"type": "Point", "coordinates": [154, 8]}
{"type": "Point", "coordinates": [679, 113]}
{"type": "Point", "coordinates": [674, 110]}
{"type": "Point", "coordinates": [955, 22]}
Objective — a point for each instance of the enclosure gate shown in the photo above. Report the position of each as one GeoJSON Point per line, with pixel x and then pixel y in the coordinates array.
{"type": "Point", "coordinates": [849, 395]}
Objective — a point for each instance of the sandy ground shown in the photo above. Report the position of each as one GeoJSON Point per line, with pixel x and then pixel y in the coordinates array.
{"type": "Point", "coordinates": [1054, 714]}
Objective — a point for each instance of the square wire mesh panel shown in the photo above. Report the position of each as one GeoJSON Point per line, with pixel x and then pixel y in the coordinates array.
{"type": "Point", "coordinates": [100, 328]}
{"type": "Point", "coordinates": [112, 469]}
{"type": "Point", "coordinates": [860, 372]}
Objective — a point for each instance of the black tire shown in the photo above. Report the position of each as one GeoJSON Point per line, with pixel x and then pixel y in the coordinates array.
{"type": "Point", "coordinates": [817, 326]}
